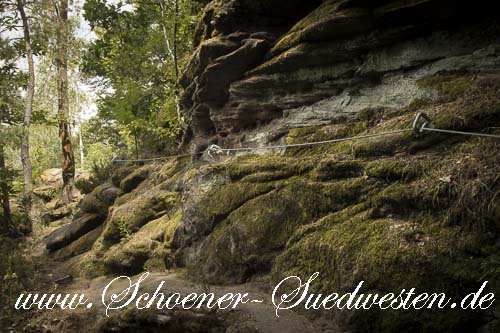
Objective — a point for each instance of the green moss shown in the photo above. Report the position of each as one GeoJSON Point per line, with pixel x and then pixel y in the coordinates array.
{"type": "Point", "coordinates": [330, 169]}
{"type": "Point", "coordinates": [376, 210]}
{"type": "Point", "coordinates": [168, 229]}
{"type": "Point", "coordinates": [476, 104]}
{"type": "Point", "coordinates": [393, 169]}
{"type": "Point", "coordinates": [137, 212]}
{"type": "Point", "coordinates": [373, 148]}
{"type": "Point", "coordinates": [327, 221]}
{"type": "Point", "coordinates": [315, 134]}
{"type": "Point", "coordinates": [128, 256]}
{"type": "Point", "coordinates": [283, 61]}
{"type": "Point", "coordinates": [123, 199]}
{"type": "Point", "coordinates": [270, 167]}
{"type": "Point", "coordinates": [267, 176]}
{"type": "Point", "coordinates": [312, 25]}
{"type": "Point", "coordinates": [149, 245]}
{"type": "Point", "coordinates": [88, 266]}
{"type": "Point", "coordinates": [247, 241]}
{"type": "Point", "coordinates": [387, 254]}
{"type": "Point", "coordinates": [223, 200]}
{"type": "Point", "coordinates": [419, 103]}
{"type": "Point", "coordinates": [171, 171]}
{"type": "Point", "coordinates": [449, 85]}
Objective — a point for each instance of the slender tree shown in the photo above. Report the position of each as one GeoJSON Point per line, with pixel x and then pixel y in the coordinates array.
{"type": "Point", "coordinates": [4, 188]}
{"type": "Point", "coordinates": [25, 143]}
{"type": "Point", "coordinates": [176, 29]}
{"type": "Point", "coordinates": [173, 53]}
{"type": "Point", "coordinates": [68, 158]}
{"type": "Point", "coordinates": [80, 136]}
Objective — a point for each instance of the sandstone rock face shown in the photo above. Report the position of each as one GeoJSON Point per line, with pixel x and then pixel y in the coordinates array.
{"type": "Point", "coordinates": [370, 210]}
{"type": "Point", "coordinates": [272, 71]}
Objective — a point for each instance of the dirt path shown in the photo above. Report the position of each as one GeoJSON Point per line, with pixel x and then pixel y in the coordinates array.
{"type": "Point", "coordinates": [249, 317]}
{"type": "Point", "coordinates": [258, 316]}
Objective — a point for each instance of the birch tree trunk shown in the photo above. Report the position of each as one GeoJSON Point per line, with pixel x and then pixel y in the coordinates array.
{"type": "Point", "coordinates": [25, 142]}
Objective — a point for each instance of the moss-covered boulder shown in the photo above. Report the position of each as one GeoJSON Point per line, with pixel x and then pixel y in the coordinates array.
{"type": "Point", "coordinates": [100, 199]}
{"type": "Point", "coordinates": [78, 246]}
{"type": "Point", "coordinates": [71, 232]}
{"type": "Point", "coordinates": [133, 179]}
{"type": "Point", "coordinates": [130, 217]}
{"type": "Point", "coordinates": [247, 241]}
{"type": "Point", "coordinates": [151, 242]}
{"type": "Point", "coordinates": [121, 171]}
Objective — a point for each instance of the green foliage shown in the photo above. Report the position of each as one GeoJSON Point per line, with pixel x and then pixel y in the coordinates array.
{"type": "Point", "coordinates": [139, 50]}
{"type": "Point", "coordinates": [11, 80]}
{"type": "Point", "coordinates": [99, 156]}
{"type": "Point", "coordinates": [123, 229]}
{"type": "Point", "coordinates": [98, 130]}
{"type": "Point", "coordinates": [45, 148]}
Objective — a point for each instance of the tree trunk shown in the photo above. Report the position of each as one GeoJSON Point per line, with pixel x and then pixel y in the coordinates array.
{"type": "Point", "coordinates": [68, 158]}
{"type": "Point", "coordinates": [176, 63]}
{"type": "Point", "coordinates": [173, 53]}
{"type": "Point", "coordinates": [80, 136]}
{"type": "Point", "coordinates": [80, 144]}
{"type": "Point", "coordinates": [136, 144]}
{"type": "Point", "coordinates": [25, 142]}
{"type": "Point", "coordinates": [4, 191]}
{"type": "Point", "coordinates": [176, 29]}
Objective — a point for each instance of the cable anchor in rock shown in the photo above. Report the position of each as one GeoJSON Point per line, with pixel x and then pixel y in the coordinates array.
{"type": "Point", "coordinates": [213, 150]}
{"type": "Point", "coordinates": [421, 123]}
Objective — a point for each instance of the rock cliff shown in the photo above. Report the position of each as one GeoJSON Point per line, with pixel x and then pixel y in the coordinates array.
{"type": "Point", "coordinates": [401, 211]}
{"type": "Point", "coordinates": [260, 70]}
